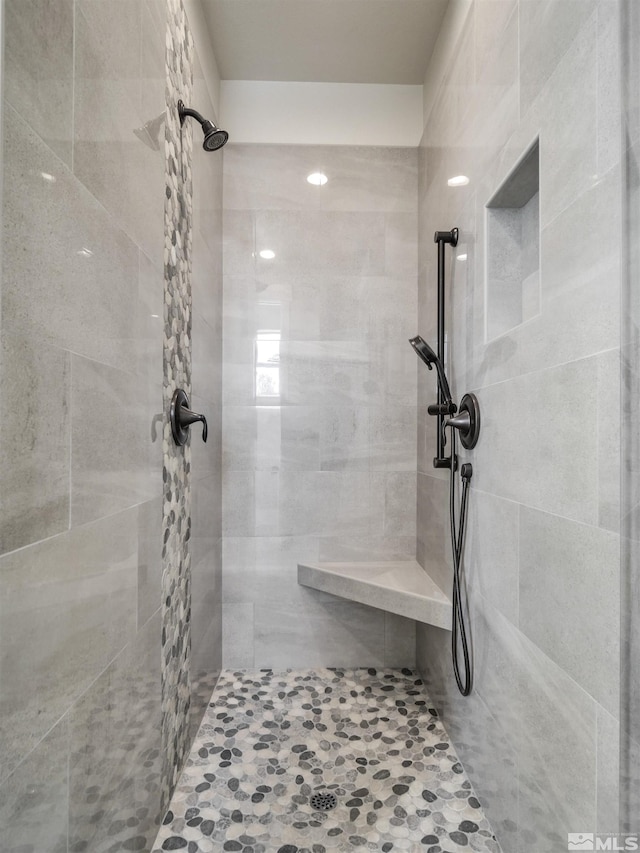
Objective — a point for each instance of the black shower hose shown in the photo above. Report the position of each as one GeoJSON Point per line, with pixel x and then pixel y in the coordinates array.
{"type": "Point", "coordinates": [459, 637]}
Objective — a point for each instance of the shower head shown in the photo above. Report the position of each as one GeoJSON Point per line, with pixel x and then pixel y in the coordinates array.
{"type": "Point", "coordinates": [424, 351]}
{"type": "Point", "coordinates": [214, 138]}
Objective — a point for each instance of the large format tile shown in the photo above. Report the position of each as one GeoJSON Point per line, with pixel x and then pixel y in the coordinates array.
{"type": "Point", "coordinates": [610, 85]}
{"type": "Point", "coordinates": [265, 568]}
{"type": "Point", "coordinates": [399, 641]}
{"type": "Point", "coordinates": [349, 548]}
{"type": "Point", "coordinates": [149, 559]}
{"type": "Point", "coordinates": [359, 179]}
{"type": "Point", "coordinates": [433, 545]}
{"type": "Point", "coordinates": [70, 275]}
{"type": "Point", "coordinates": [547, 30]}
{"type": "Point", "coordinates": [114, 761]}
{"type": "Point", "coordinates": [123, 173]}
{"type": "Point", "coordinates": [491, 555]}
{"type": "Point", "coordinates": [34, 441]}
{"type": "Point", "coordinates": [237, 635]}
{"type": "Point", "coordinates": [68, 606]}
{"type": "Point", "coordinates": [206, 577]}
{"type": "Point", "coordinates": [478, 723]}
{"type": "Point", "coordinates": [539, 453]}
{"type": "Point", "coordinates": [115, 463]}
{"type": "Point", "coordinates": [556, 754]}
{"type": "Point", "coordinates": [568, 109]}
{"type": "Point", "coordinates": [569, 595]}
{"type": "Point", "coordinates": [33, 800]}
{"type": "Point", "coordinates": [400, 504]}
{"type": "Point", "coordinates": [294, 503]}
{"type": "Point", "coordinates": [338, 632]}
{"type": "Point", "coordinates": [340, 242]}
{"type": "Point", "coordinates": [149, 330]}
{"type": "Point", "coordinates": [608, 773]}
{"type": "Point", "coordinates": [38, 72]}
{"type": "Point", "coordinates": [579, 261]}
{"type": "Point", "coordinates": [271, 437]}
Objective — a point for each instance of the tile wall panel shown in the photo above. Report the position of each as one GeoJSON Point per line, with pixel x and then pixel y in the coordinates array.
{"type": "Point", "coordinates": [81, 536]}
{"type": "Point", "coordinates": [326, 468]}
{"type": "Point", "coordinates": [543, 546]}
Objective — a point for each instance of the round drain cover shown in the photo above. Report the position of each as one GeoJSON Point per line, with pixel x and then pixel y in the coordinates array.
{"type": "Point", "coordinates": [323, 801]}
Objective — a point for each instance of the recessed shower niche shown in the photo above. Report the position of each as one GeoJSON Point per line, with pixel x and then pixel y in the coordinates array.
{"type": "Point", "coordinates": [512, 284]}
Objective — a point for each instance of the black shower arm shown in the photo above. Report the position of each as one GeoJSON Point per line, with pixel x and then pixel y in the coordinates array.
{"type": "Point", "coordinates": [188, 111]}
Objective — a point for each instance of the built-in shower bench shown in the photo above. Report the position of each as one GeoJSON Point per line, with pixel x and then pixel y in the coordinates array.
{"type": "Point", "coordinates": [401, 587]}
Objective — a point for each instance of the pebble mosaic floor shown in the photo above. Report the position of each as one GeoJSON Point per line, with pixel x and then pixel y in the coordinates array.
{"type": "Point", "coordinates": [270, 741]}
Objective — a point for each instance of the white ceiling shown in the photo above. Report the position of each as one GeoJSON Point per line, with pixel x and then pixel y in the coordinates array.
{"type": "Point", "coordinates": [324, 41]}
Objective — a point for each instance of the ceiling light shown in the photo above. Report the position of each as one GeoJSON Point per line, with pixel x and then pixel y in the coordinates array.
{"type": "Point", "coordinates": [318, 179]}
{"type": "Point", "coordinates": [155, 316]}
{"type": "Point", "coordinates": [462, 257]}
{"type": "Point", "coordinates": [267, 254]}
{"type": "Point", "coordinates": [458, 181]}
{"type": "Point", "coordinates": [47, 177]}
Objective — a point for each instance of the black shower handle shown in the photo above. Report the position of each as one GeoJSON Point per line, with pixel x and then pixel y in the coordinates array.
{"type": "Point", "coordinates": [186, 417]}
{"type": "Point", "coordinates": [182, 417]}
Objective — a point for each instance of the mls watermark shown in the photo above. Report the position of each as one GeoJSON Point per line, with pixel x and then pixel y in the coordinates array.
{"type": "Point", "coordinates": [606, 841]}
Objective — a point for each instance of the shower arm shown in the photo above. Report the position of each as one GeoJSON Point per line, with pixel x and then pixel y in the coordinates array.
{"type": "Point", "coordinates": [442, 408]}
{"type": "Point", "coordinates": [183, 112]}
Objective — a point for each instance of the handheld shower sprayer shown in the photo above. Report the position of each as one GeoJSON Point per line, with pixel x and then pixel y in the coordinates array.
{"type": "Point", "coordinates": [424, 351]}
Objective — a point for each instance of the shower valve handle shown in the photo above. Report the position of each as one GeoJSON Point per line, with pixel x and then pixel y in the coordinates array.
{"type": "Point", "coordinates": [182, 417]}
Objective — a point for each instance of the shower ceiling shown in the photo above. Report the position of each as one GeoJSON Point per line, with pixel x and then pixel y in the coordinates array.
{"type": "Point", "coordinates": [324, 41]}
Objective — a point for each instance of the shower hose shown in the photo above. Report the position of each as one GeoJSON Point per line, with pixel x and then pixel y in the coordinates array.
{"type": "Point", "coordinates": [459, 635]}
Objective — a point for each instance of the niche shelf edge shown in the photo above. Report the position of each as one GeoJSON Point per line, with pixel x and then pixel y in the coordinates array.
{"type": "Point", "coordinates": [400, 587]}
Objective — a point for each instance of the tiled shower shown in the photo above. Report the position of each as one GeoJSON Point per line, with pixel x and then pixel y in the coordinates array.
{"type": "Point", "coordinates": [132, 572]}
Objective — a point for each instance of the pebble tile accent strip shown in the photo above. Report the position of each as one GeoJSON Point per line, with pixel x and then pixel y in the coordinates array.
{"type": "Point", "coordinates": [270, 741]}
{"type": "Point", "coordinates": [176, 552]}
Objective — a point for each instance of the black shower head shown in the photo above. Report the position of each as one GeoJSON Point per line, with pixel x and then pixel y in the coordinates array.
{"type": "Point", "coordinates": [424, 351]}
{"type": "Point", "coordinates": [214, 138]}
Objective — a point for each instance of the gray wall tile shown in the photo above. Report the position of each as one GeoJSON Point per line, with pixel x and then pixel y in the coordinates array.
{"type": "Point", "coordinates": [68, 604]}
{"type": "Point", "coordinates": [54, 290]}
{"type": "Point", "coordinates": [114, 760]}
{"type": "Point", "coordinates": [333, 630]}
{"type": "Point", "coordinates": [33, 801]}
{"type": "Point", "coordinates": [237, 635]}
{"type": "Point", "coordinates": [578, 626]}
{"type": "Point", "coordinates": [114, 461]}
{"type": "Point", "coordinates": [399, 641]}
{"type": "Point", "coordinates": [81, 373]}
{"type": "Point", "coordinates": [149, 559]}
{"type": "Point", "coordinates": [608, 773]}
{"type": "Point", "coordinates": [38, 81]}
{"type": "Point", "coordinates": [34, 441]}
{"type": "Point", "coordinates": [111, 161]}
{"type": "Point", "coordinates": [539, 659]}
{"type": "Point", "coordinates": [328, 465]}
{"type": "Point", "coordinates": [492, 551]}
{"type": "Point", "coordinates": [548, 28]}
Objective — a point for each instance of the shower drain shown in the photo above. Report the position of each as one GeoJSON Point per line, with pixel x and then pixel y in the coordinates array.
{"type": "Point", "coordinates": [323, 801]}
